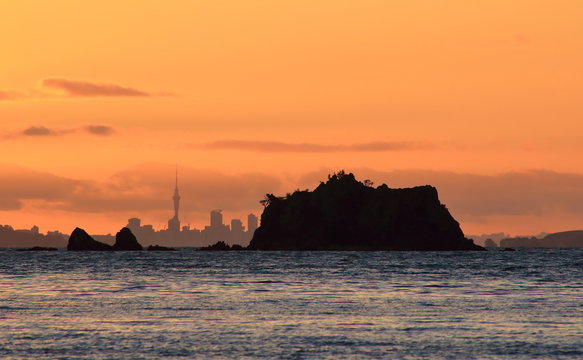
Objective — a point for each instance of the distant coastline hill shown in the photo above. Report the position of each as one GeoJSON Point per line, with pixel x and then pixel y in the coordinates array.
{"type": "Point", "coordinates": [345, 214]}
{"type": "Point", "coordinates": [564, 239]}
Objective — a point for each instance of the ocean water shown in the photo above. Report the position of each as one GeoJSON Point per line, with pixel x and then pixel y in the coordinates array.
{"type": "Point", "coordinates": [292, 305]}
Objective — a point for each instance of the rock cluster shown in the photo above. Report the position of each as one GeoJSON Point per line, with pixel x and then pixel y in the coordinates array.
{"type": "Point", "coordinates": [221, 246]}
{"type": "Point", "coordinates": [159, 248]}
{"type": "Point", "coordinates": [124, 241]}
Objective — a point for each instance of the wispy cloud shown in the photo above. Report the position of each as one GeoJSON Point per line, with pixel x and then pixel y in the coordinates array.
{"type": "Point", "coordinates": [101, 130]}
{"type": "Point", "coordinates": [19, 184]}
{"type": "Point", "coordinates": [90, 89]}
{"type": "Point", "coordinates": [76, 89]}
{"type": "Point", "coordinates": [38, 131]}
{"type": "Point", "coordinates": [10, 95]}
{"type": "Point", "coordinates": [274, 146]}
{"type": "Point", "coordinates": [138, 189]}
{"type": "Point", "coordinates": [44, 131]}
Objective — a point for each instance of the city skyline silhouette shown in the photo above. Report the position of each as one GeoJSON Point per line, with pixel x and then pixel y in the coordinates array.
{"type": "Point", "coordinates": [172, 234]}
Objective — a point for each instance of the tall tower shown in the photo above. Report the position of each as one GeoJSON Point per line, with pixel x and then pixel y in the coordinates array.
{"type": "Point", "coordinates": [174, 223]}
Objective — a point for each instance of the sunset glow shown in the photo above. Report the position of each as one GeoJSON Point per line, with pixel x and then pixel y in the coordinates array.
{"type": "Point", "coordinates": [99, 101]}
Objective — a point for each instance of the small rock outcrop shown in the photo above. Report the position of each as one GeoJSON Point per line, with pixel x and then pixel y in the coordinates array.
{"type": "Point", "coordinates": [159, 248]}
{"type": "Point", "coordinates": [345, 214]}
{"type": "Point", "coordinates": [39, 248]}
{"type": "Point", "coordinates": [221, 246]}
{"type": "Point", "coordinates": [125, 240]}
{"type": "Point", "coordinates": [81, 241]}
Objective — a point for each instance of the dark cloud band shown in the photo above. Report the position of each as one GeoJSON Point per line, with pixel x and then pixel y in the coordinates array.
{"type": "Point", "coordinates": [146, 187]}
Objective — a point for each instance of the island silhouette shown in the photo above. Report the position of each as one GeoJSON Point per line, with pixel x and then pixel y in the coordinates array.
{"type": "Point", "coordinates": [125, 240]}
{"type": "Point", "coordinates": [345, 214]}
{"type": "Point", "coordinates": [80, 240]}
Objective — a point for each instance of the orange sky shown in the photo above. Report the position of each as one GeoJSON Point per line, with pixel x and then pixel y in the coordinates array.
{"type": "Point", "coordinates": [100, 100]}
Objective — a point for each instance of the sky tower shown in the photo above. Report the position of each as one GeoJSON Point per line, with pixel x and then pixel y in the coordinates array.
{"type": "Point", "coordinates": [174, 223]}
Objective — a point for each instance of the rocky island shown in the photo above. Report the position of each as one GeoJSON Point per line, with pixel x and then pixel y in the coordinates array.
{"type": "Point", "coordinates": [124, 241]}
{"type": "Point", "coordinates": [345, 214]}
{"type": "Point", "coordinates": [81, 241]}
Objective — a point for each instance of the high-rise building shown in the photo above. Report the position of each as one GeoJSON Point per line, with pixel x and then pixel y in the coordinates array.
{"type": "Point", "coordinates": [252, 223]}
{"type": "Point", "coordinates": [237, 234]}
{"type": "Point", "coordinates": [174, 223]}
{"type": "Point", "coordinates": [237, 226]}
{"type": "Point", "coordinates": [134, 224]}
{"type": "Point", "coordinates": [216, 218]}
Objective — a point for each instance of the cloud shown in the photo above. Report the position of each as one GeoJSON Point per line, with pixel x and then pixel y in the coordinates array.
{"type": "Point", "coordinates": [9, 95]}
{"type": "Point", "coordinates": [145, 191]}
{"type": "Point", "coordinates": [18, 184]}
{"type": "Point", "coordinates": [273, 146]}
{"type": "Point", "coordinates": [139, 189]}
{"type": "Point", "coordinates": [38, 131]}
{"type": "Point", "coordinates": [148, 187]}
{"type": "Point", "coordinates": [43, 131]}
{"type": "Point", "coordinates": [89, 89]}
{"type": "Point", "coordinates": [76, 89]}
{"type": "Point", "coordinates": [101, 130]}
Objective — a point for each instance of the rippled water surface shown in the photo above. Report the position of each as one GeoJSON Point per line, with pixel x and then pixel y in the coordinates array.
{"type": "Point", "coordinates": [292, 305]}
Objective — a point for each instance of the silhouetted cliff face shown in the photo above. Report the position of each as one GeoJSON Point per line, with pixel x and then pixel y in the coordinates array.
{"type": "Point", "coordinates": [81, 241]}
{"type": "Point", "coordinates": [126, 241]}
{"type": "Point", "coordinates": [344, 214]}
